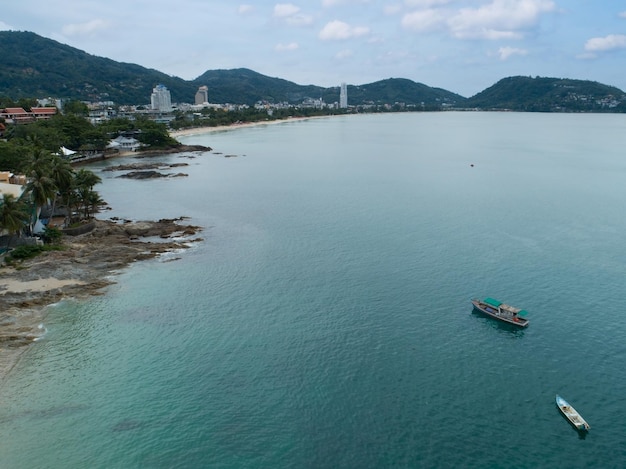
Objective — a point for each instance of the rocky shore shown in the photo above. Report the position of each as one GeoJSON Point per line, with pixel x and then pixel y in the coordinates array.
{"type": "Point", "coordinates": [81, 269]}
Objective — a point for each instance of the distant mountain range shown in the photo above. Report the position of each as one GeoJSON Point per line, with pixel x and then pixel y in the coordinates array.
{"type": "Point", "coordinates": [32, 66]}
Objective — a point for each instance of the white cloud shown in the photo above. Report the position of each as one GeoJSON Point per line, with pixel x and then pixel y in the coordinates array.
{"type": "Point", "coordinates": [344, 54]}
{"type": "Point", "coordinates": [4, 26]}
{"type": "Point", "coordinates": [499, 19]}
{"type": "Point", "coordinates": [82, 29]}
{"type": "Point", "coordinates": [506, 52]}
{"type": "Point", "coordinates": [423, 20]}
{"type": "Point", "coordinates": [290, 13]}
{"type": "Point", "coordinates": [337, 30]}
{"type": "Point", "coordinates": [284, 10]}
{"type": "Point", "coordinates": [300, 20]}
{"type": "Point", "coordinates": [332, 3]}
{"type": "Point", "coordinates": [245, 9]}
{"type": "Point", "coordinates": [425, 3]}
{"type": "Point", "coordinates": [392, 9]}
{"type": "Point", "coordinates": [622, 14]}
{"type": "Point", "coordinates": [607, 43]}
{"type": "Point", "coordinates": [286, 47]}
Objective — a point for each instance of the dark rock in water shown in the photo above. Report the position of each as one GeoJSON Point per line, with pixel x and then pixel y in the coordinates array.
{"type": "Point", "coordinates": [144, 175]}
{"type": "Point", "coordinates": [173, 149]}
{"type": "Point", "coordinates": [144, 166]}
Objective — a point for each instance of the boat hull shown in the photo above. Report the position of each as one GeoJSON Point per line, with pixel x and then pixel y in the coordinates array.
{"type": "Point", "coordinates": [572, 414]}
{"type": "Point", "coordinates": [492, 313]}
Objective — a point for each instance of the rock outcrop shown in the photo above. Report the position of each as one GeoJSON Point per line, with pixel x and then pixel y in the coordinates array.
{"type": "Point", "coordinates": [81, 269]}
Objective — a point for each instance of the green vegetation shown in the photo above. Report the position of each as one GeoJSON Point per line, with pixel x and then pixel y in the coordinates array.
{"type": "Point", "coordinates": [76, 133]}
{"type": "Point", "coordinates": [50, 180]}
{"type": "Point", "coordinates": [34, 150]}
{"type": "Point", "coordinates": [21, 253]}
{"type": "Point", "coordinates": [13, 216]}
{"type": "Point", "coordinates": [52, 235]}
{"type": "Point", "coordinates": [36, 66]}
{"type": "Point", "coordinates": [549, 95]}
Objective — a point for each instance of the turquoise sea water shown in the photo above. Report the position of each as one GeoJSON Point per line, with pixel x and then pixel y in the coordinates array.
{"type": "Point", "coordinates": [325, 321]}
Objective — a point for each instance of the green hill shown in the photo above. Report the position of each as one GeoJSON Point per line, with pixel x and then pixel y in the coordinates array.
{"type": "Point", "coordinates": [34, 66]}
{"type": "Point", "coordinates": [401, 90]}
{"type": "Point", "coordinates": [243, 86]}
{"type": "Point", "coordinates": [549, 95]}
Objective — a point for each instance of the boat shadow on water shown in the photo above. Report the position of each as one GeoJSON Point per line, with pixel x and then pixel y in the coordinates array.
{"type": "Point", "coordinates": [515, 331]}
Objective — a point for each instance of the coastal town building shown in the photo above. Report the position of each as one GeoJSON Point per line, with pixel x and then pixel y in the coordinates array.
{"type": "Point", "coordinates": [161, 99]}
{"type": "Point", "coordinates": [202, 95]}
{"type": "Point", "coordinates": [343, 96]}
{"type": "Point", "coordinates": [12, 184]}
{"type": "Point", "coordinates": [123, 143]}
{"type": "Point", "coordinates": [18, 115]}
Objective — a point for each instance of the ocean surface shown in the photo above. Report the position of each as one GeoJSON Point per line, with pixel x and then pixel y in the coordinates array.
{"type": "Point", "coordinates": [325, 319]}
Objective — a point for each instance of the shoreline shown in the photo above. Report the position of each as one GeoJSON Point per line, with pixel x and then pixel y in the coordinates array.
{"type": "Point", "coordinates": [27, 292]}
{"type": "Point", "coordinates": [86, 266]}
{"type": "Point", "coordinates": [223, 128]}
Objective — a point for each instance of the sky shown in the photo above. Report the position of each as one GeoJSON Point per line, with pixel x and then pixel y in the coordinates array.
{"type": "Point", "coordinates": [463, 46]}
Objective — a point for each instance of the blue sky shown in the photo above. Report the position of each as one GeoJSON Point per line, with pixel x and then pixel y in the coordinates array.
{"type": "Point", "coordinates": [463, 46]}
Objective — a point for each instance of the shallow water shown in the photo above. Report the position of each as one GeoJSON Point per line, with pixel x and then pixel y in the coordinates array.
{"type": "Point", "coordinates": [325, 320]}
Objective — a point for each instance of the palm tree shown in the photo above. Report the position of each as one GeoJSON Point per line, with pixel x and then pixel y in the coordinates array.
{"type": "Point", "coordinates": [84, 181]}
{"type": "Point", "coordinates": [87, 178]}
{"type": "Point", "coordinates": [40, 187]}
{"type": "Point", "coordinates": [92, 202]}
{"type": "Point", "coordinates": [62, 174]}
{"type": "Point", "coordinates": [13, 215]}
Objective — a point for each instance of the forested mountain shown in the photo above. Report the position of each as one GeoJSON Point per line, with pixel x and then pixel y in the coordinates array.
{"type": "Point", "coordinates": [549, 95]}
{"type": "Point", "coordinates": [401, 90]}
{"type": "Point", "coordinates": [243, 85]}
{"type": "Point", "coordinates": [34, 66]}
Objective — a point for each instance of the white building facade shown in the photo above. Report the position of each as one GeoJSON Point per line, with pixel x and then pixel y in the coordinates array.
{"type": "Point", "coordinates": [161, 99]}
{"type": "Point", "coordinates": [343, 96]}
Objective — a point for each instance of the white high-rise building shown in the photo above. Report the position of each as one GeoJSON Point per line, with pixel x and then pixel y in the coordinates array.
{"type": "Point", "coordinates": [343, 96]}
{"type": "Point", "coordinates": [161, 99]}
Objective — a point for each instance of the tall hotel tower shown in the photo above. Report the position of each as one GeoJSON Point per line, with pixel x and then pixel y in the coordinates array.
{"type": "Point", "coordinates": [202, 95]}
{"type": "Point", "coordinates": [343, 96]}
{"type": "Point", "coordinates": [161, 99]}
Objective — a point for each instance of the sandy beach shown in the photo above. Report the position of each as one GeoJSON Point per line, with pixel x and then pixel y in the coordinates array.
{"type": "Point", "coordinates": [224, 128]}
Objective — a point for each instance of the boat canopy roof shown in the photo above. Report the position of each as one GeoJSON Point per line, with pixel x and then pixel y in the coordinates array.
{"type": "Point", "coordinates": [492, 302]}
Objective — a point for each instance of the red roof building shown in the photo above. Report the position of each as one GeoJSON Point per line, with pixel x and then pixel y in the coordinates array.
{"type": "Point", "coordinates": [18, 115]}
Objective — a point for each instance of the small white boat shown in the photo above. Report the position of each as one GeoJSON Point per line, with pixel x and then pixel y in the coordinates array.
{"type": "Point", "coordinates": [571, 414]}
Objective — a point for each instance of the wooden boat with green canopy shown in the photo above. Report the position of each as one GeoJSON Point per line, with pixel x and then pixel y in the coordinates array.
{"type": "Point", "coordinates": [502, 312]}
